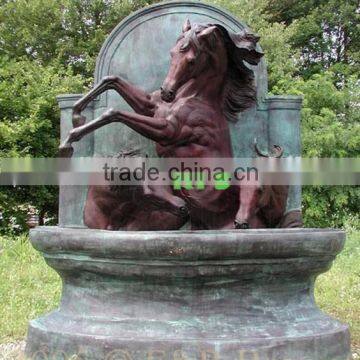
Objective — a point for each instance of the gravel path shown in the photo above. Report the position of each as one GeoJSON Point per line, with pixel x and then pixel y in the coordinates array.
{"type": "Point", "coordinates": [12, 351]}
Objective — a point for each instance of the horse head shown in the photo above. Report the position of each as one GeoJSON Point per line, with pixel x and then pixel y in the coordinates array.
{"type": "Point", "coordinates": [192, 56]}
{"type": "Point", "coordinates": [210, 51]}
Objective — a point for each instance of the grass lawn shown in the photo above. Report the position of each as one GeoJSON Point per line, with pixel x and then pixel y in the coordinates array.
{"type": "Point", "coordinates": [338, 291]}
{"type": "Point", "coordinates": [29, 288]}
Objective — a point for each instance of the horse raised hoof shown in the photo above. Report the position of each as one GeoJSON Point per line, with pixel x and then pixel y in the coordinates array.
{"type": "Point", "coordinates": [241, 224]}
{"type": "Point", "coordinates": [66, 151]}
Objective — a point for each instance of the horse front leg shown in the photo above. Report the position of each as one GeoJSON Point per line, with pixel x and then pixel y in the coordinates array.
{"type": "Point", "coordinates": [138, 99]}
{"type": "Point", "coordinates": [156, 129]}
{"type": "Point", "coordinates": [248, 204]}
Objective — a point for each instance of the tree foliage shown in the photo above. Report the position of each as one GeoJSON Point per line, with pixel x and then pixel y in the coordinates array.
{"type": "Point", "coordinates": [327, 32]}
{"type": "Point", "coordinates": [48, 47]}
{"type": "Point", "coordinates": [330, 127]}
{"type": "Point", "coordinates": [29, 126]}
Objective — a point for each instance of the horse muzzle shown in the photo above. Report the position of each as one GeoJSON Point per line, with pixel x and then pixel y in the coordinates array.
{"type": "Point", "coordinates": [167, 95]}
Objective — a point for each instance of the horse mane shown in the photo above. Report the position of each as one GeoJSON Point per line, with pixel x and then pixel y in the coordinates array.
{"type": "Point", "coordinates": [240, 87]}
{"type": "Point", "coordinates": [239, 91]}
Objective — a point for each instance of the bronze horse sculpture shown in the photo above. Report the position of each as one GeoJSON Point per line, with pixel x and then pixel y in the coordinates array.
{"type": "Point", "coordinates": [207, 85]}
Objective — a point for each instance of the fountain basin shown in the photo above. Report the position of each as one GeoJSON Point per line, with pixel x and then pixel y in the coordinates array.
{"type": "Point", "coordinates": [231, 294]}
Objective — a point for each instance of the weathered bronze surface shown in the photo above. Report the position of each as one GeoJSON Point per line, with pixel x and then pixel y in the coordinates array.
{"type": "Point", "coordinates": [196, 295]}
{"type": "Point", "coordinates": [224, 294]}
{"type": "Point", "coordinates": [127, 54]}
{"type": "Point", "coordinates": [134, 207]}
{"type": "Point", "coordinates": [207, 85]}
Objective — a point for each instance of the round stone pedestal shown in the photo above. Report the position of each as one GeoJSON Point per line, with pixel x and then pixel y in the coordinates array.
{"type": "Point", "coordinates": [176, 295]}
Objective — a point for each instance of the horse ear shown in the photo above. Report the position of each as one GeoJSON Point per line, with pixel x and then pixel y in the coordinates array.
{"type": "Point", "coordinates": [206, 32]}
{"type": "Point", "coordinates": [187, 26]}
{"type": "Point", "coordinates": [209, 35]}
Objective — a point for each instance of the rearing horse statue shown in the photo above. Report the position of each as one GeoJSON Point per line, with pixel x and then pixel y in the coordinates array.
{"type": "Point", "coordinates": [207, 85]}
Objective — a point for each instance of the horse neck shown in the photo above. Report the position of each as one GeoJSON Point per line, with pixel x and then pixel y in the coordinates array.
{"type": "Point", "coordinates": [209, 85]}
